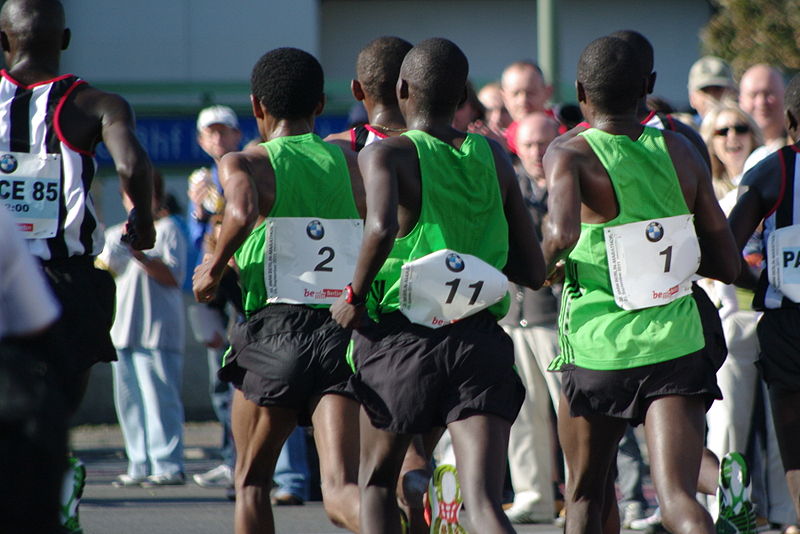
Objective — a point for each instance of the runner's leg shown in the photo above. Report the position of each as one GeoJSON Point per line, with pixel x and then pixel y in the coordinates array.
{"type": "Point", "coordinates": [335, 421]}
{"type": "Point", "coordinates": [259, 433]}
{"type": "Point", "coordinates": [674, 428]}
{"type": "Point", "coordinates": [480, 443]}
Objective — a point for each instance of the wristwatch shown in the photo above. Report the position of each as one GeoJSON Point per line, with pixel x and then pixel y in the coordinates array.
{"type": "Point", "coordinates": [350, 297]}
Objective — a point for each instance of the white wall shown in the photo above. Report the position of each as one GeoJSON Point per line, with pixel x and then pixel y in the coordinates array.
{"type": "Point", "coordinates": [495, 33]}
{"type": "Point", "coordinates": [183, 40]}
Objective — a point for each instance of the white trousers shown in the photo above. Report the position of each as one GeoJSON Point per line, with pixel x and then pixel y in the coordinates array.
{"type": "Point", "coordinates": [530, 443]}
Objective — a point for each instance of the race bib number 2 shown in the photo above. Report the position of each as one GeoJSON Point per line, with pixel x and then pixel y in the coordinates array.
{"type": "Point", "coordinates": [309, 261]}
{"type": "Point", "coordinates": [783, 261]}
{"type": "Point", "coordinates": [30, 188]}
{"type": "Point", "coordinates": [651, 262]}
{"type": "Point", "coordinates": [442, 287]}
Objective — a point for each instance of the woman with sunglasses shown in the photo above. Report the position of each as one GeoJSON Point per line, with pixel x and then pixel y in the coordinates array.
{"type": "Point", "coordinates": [731, 135]}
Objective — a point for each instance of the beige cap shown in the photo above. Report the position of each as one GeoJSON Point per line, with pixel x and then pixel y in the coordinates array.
{"type": "Point", "coordinates": [710, 71]}
{"type": "Point", "coordinates": [217, 115]}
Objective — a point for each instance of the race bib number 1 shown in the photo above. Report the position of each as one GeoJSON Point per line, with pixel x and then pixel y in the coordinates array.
{"type": "Point", "coordinates": [651, 262]}
{"type": "Point", "coordinates": [783, 261]}
{"type": "Point", "coordinates": [30, 189]}
{"type": "Point", "coordinates": [445, 286]}
{"type": "Point", "coordinates": [309, 261]}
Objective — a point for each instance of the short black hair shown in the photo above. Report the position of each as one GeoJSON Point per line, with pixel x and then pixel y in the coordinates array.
{"type": "Point", "coordinates": [611, 74]}
{"type": "Point", "coordinates": [38, 25]}
{"type": "Point", "coordinates": [378, 67]}
{"type": "Point", "coordinates": [639, 43]}
{"type": "Point", "coordinates": [288, 82]}
{"type": "Point", "coordinates": [791, 97]}
{"type": "Point", "coordinates": [437, 70]}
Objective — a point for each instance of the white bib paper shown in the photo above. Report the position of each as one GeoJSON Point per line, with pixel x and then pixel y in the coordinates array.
{"type": "Point", "coordinates": [308, 260]}
{"type": "Point", "coordinates": [445, 286]}
{"type": "Point", "coordinates": [30, 188]}
{"type": "Point", "coordinates": [651, 262]}
{"type": "Point", "coordinates": [783, 261]}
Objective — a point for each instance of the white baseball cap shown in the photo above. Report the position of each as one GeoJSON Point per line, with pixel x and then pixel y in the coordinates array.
{"type": "Point", "coordinates": [217, 115]}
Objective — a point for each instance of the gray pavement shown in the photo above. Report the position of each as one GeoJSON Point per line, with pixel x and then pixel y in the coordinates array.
{"type": "Point", "coordinates": [187, 509]}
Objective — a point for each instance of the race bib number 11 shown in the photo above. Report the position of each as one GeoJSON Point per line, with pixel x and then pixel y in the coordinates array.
{"type": "Point", "coordinates": [651, 262]}
{"type": "Point", "coordinates": [783, 261]}
{"type": "Point", "coordinates": [445, 286]}
{"type": "Point", "coordinates": [30, 189]}
{"type": "Point", "coordinates": [309, 261]}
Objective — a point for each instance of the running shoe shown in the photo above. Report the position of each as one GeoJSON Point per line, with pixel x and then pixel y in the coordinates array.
{"type": "Point", "coordinates": [444, 501]}
{"type": "Point", "coordinates": [71, 492]}
{"type": "Point", "coordinates": [219, 477]}
{"type": "Point", "coordinates": [736, 514]}
{"type": "Point", "coordinates": [649, 523]}
{"type": "Point", "coordinates": [169, 479]}
{"type": "Point", "coordinates": [127, 481]}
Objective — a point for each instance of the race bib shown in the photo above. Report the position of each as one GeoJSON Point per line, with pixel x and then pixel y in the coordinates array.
{"type": "Point", "coordinates": [30, 188]}
{"type": "Point", "coordinates": [445, 286]}
{"type": "Point", "coordinates": [308, 260]}
{"type": "Point", "coordinates": [783, 261]}
{"type": "Point", "coordinates": [651, 262]}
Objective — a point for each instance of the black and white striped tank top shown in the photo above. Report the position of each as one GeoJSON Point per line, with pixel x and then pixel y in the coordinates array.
{"type": "Point", "coordinates": [29, 123]}
{"type": "Point", "coordinates": [786, 212]}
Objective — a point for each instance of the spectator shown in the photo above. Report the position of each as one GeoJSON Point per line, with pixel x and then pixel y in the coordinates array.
{"type": "Point", "coordinates": [710, 79]}
{"type": "Point", "coordinates": [761, 93]}
{"type": "Point", "coordinates": [524, 91]}
{"type": "Point", "coordinates": [218, 133]}
{"type": "Point", "coordinates": [148, 334]}
{"type": "Point", "coordinates": [497, 116]}
{"type": "Point", "coordinates": [531, 323]}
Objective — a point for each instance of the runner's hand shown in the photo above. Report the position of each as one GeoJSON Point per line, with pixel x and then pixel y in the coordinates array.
{"type": "Point", "coordinates": [347, 315]}
{"type": "Point", "coordinates": [204, 284]}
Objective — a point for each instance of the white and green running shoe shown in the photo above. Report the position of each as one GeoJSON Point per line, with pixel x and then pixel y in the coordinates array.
{"type": "Point", "coordinates": [444, 495]}
{"type": "Point", "coordinates": [736, 514]}
{"type": "Point", "coordinates": [71, 491]}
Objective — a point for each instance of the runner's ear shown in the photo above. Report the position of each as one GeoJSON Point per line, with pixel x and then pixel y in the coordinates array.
{"type": "Point", "coordinates": [580, 91]}
{"type": "Point", "coordinates": [4, 42]}
{"type": "Point", "coordinates": [321, 105]}
{"type": "Point", "coordinates": [651, 82]}
{"type": "Point", "coordinates": [357, 90]}
{"type": "Point", "coordinates": [258, 110]}
{"type": "Point", "coordinates": [65, 38]}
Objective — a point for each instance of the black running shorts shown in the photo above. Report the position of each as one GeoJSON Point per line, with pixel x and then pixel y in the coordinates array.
{"type": "Point", "coordinates": [627, 393]}
{"type": "Point", "coordinates": [287, 355]}
{"type": "Point", "coordinates": [87, 296]}
{"type": "Point", "coordinates": [410, 378]}
{"type": "Point", "coordinates": [779, 337]}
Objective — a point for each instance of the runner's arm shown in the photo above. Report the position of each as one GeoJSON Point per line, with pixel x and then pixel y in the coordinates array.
{"type": "Point", "coordinates": [562, 228]}
{"type": "Point", "coordinates": [379, 171]}
{"type": "Point", "coordinates": [758, 193]}
{"type": "Point", "coordinates": [131, 162]}
{"type": "Point", "coordinates": [525, 265]}
{"type": "Point", "coordinates": [719, 257]}
{"type": "Point", "coordinates": [241, 214]}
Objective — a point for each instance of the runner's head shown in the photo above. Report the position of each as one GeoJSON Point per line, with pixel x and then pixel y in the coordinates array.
{"type": "Point", "coordinates": [377, 70]}
{"type": "Point", "coordinates": [433, 79]}
{"type": "Point", "coordinates": [287, 83]}
{"type": "Point", "coordinates": [640, 43]}
{"type": "Point", "coordinates": [33, 26]}
{"type": "Point", "coordinates": [791, 102]}
{"type": "Point", "coordinates": [610, 77]}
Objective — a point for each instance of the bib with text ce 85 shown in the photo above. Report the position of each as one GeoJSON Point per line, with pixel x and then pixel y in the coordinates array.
{"type": "Point", "coordinates": [783, 261]}
{"type": "Point", "coordinates": [310, 260]}
{"type": "Point", "coordinates": [651, 262]}
{"type": "Point", "coordinates": [30, 189]}
{"type": "Point", "coordinates": [442, 287]}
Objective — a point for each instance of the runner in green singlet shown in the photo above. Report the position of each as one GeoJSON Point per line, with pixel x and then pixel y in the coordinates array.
{"type": "Point", "coordinates": [431, 189]}
{"type": "Point", "coordinates": [648, 362]}
{"type": "Point", "coordinates": [287, 360]}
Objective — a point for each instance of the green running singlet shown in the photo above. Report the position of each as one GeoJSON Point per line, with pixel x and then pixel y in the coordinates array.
{"type": "Point", "coordinates": [461, 210]}
{"type": "Point", "coordinates": [595, 333]}
{"type": "Point", "coordinates": [311, 180]}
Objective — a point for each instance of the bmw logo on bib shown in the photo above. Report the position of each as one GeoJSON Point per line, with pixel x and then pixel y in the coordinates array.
{"type": "Point", "coordinates": [654, 232]}
{"type": "Point", "coordinates": [8, 163]}
{"type": "Point", "coordinates": [315, 230]}
{"type": "Point", "coordinates": [454, 262]}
